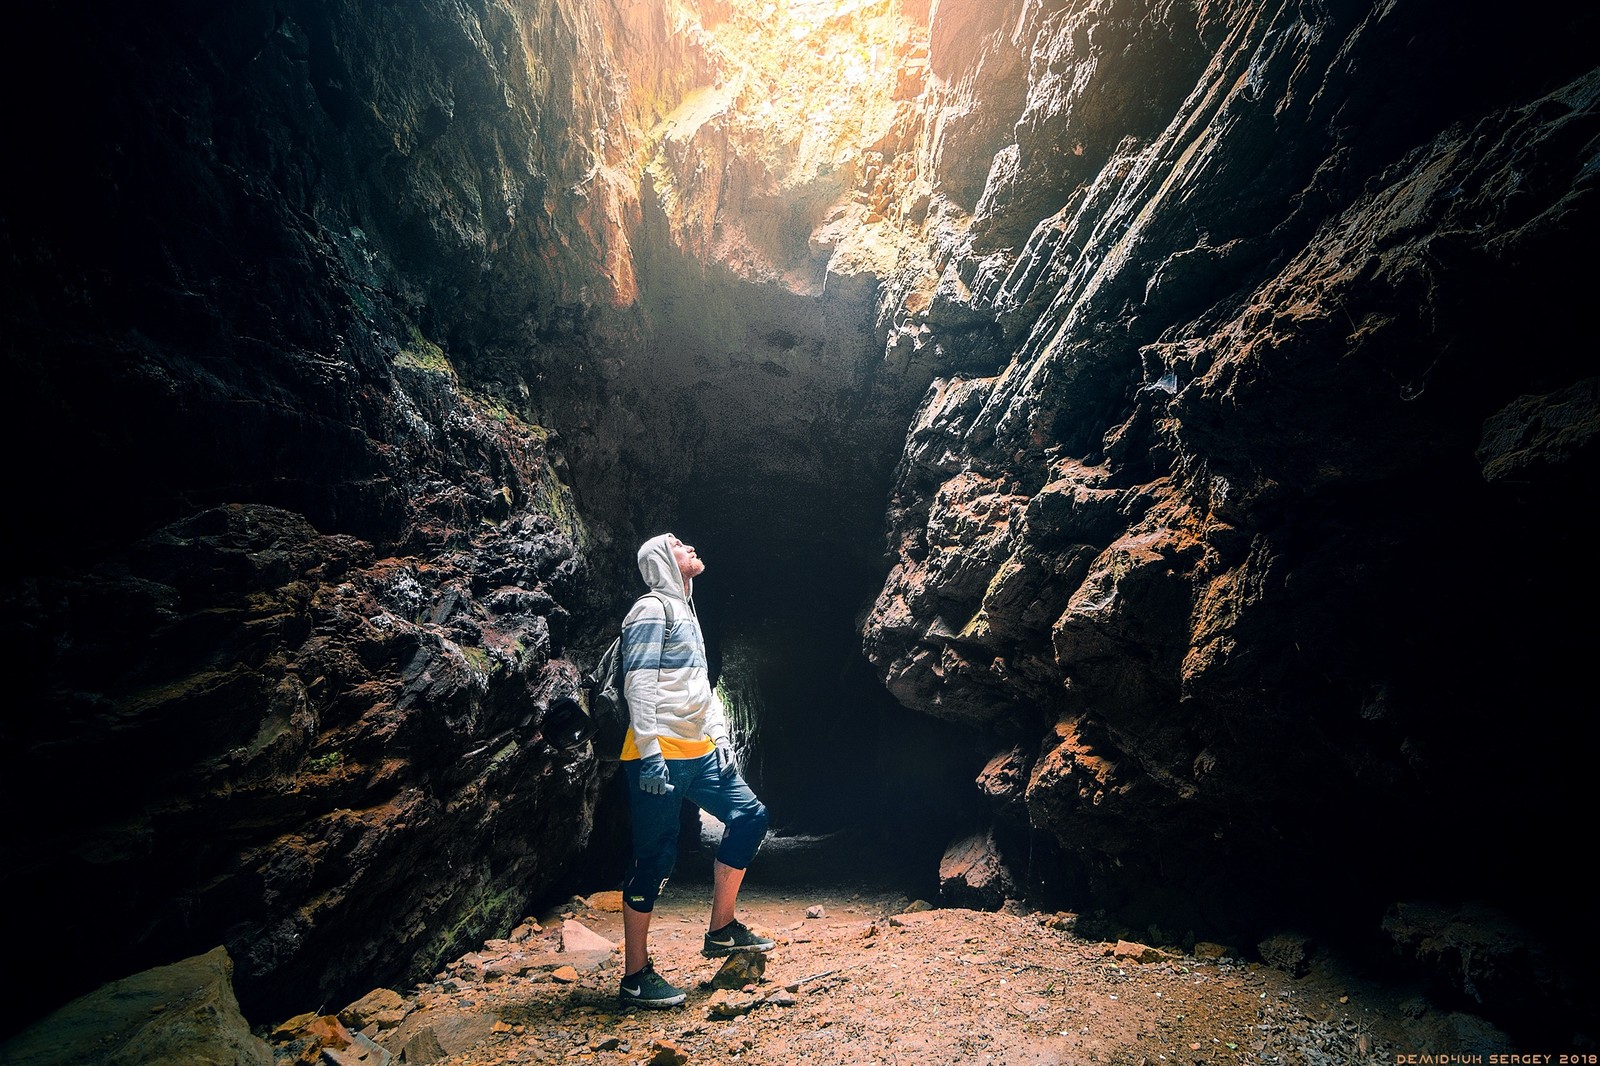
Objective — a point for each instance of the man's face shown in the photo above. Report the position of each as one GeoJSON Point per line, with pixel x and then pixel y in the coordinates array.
{"type": "Point", "coordinates": [689, 564]}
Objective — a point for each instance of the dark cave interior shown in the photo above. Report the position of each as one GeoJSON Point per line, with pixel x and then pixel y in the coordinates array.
{"type": "Point", "coordinates": [791, 567]}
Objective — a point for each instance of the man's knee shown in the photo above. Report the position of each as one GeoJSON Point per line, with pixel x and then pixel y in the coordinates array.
{"type": "Point", "coordinates": [757, 818]}
{"type": "Point", "coordinates": [642, 888]}
{"type": "Point", "coordinates": [745, 830]}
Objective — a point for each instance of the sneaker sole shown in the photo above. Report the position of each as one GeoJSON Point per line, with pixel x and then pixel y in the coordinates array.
{"type": "Point", "coordinates": [652, 1004]}
{"type": "Point", "coordinates": [717, 953]}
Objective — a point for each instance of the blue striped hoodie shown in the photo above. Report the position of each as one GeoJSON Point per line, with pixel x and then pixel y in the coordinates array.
{"type": "Point", "coordinates": [675, 710]}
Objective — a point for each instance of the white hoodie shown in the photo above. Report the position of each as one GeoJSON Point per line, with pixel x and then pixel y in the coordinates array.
{"type": "Point", "coordinates": [675, 710]}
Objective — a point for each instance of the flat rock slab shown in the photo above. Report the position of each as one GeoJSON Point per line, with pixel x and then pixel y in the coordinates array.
{"type": "Point", "coordinates": [577, 937]}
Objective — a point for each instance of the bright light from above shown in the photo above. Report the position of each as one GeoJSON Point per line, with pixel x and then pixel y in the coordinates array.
{"type": "Point", "coordinates": [818, 75]}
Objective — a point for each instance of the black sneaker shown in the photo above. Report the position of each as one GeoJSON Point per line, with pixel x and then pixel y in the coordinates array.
{"type": "Point", "coordinates": [649, 989]}
{"type": "Point", "coordinates": [734, 937]}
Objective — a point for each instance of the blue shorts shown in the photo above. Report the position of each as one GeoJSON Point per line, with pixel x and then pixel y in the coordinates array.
{"type": "Point", "coordinates": [655, 823]}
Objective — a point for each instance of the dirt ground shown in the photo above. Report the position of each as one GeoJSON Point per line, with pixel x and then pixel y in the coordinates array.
{"type": "Point", "coordinates": [865, 975]}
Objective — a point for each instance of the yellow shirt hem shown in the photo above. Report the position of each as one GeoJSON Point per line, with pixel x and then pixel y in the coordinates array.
{"type": "Point", "coordinates": [671, 748]}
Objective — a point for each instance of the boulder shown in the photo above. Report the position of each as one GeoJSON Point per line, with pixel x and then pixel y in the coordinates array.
{"type": "Point", "coordinates": [182, 1014]}
{"type": "Point", "coordinates": [973, 874]}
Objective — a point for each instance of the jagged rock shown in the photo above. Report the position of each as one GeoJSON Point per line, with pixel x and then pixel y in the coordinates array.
{"type": "Point", "coordinates": [314, 1038]}
{"type": "Point", "coordinates": [439, 1026]}
{"type": "Point", "coordinates": [361, 1051]}
{"type": "Point", "coordinates": [609, 901]}
{"type": "Point", "coordinates": [422, 1048]}
{"type": "Point", "coordinates": [740, 969]}
{"type": "Point", "coordinates": [973, 874]}
{"type": "Point", "coordinates": [382, 1006]}
{"type": "Point", "coordinates": [172, 1015]}
{"type": "Point", "coordinates": [666, 1053]}
{"type": "Point", "coordinates": [1129, 951]}
{"type": "Point", "coordinates": [724, 1003]}
{"type": "Point", "coordinates": [1483, 954]}
{"type": "Point", "coordinates": [1004, 778]}
{"type": "Point", "coordinates": [480, 969]}
{"type": "Point", "coordinates": [1289, 952]}
{"type": "Point", "coordinates": [1202, 657]}
{"type": "Point", "coordinates": [525, 931]}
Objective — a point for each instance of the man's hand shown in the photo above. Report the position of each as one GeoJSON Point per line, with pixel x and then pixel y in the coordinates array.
{"type": "Point", "coordinates": [724, 757]}
{"type": "Point", "coordinates": [653, 775]}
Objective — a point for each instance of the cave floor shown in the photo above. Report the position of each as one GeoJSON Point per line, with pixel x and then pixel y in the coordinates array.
{"type": "Point", "coordinates": [861, 974]}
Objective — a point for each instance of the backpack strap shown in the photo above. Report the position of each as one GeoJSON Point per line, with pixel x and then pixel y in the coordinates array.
{"type": "Point", "coordinates": [665, 609]}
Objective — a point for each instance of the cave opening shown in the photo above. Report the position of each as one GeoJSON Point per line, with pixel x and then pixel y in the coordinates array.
{"type": "Point", "coordinates": [785, 504]}
{"type": "Point", "coordinates": [753, 405]}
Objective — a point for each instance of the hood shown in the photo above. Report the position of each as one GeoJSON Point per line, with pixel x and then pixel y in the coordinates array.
{"type": "Point", "coordinates": [659, 568]}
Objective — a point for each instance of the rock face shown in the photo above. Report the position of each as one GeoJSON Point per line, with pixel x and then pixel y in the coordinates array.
{"type": "Point", "coordinates": [1252, 538]}
{"type": "Point", "coordinates": [253, 727]}
{"type": "Point", "coordinates": [293, 593]}
{"type": "Point", "coordinates": [1223, 367]}
{"type": "Point", "coordinates": [184, 1012]}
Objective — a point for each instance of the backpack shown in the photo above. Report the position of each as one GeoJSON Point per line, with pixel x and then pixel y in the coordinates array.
{"type": "Point", "coordinates": [608, 706]}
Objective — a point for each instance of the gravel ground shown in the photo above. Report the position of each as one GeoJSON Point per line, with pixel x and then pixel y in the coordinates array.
{"type": "Point", "coordinates": [866, 975]}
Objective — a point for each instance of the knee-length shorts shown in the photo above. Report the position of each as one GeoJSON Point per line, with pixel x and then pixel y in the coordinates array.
{"type": "Point", "coordinates": [655, 823]}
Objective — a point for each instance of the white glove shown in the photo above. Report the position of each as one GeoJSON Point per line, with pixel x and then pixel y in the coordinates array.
{"type": "Point", "coordinates": [725, 764]}
{"type": "Point", "coordinates": [653, 775]}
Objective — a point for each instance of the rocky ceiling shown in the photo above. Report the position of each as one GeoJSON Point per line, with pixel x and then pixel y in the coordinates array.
{"type": "Point", "coordinates": [1152, 434]}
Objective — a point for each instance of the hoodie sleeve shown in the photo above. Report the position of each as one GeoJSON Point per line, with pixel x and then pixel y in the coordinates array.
{"type": "Point", "coordinates": [716, 719]}
{"type": "Point", "coordinates": [643, 633]}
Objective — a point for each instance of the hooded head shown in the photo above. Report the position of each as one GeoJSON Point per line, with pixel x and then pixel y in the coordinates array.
{"type": "Point", "coordinates": [658, 565]}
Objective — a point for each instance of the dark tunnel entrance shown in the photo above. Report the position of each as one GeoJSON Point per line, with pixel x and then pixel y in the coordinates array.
{"type": "Point", "coordinates": [794, 559]}
{"type": "Point", "coordinates": [828, 745]}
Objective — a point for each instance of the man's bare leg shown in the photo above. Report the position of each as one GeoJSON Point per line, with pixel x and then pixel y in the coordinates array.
{"type": "Point", "coordinates": [635, 939]}
{"type": "Point", "coordinates": [725, 882]}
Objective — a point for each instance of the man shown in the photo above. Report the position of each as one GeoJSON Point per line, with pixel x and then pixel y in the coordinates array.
{"type": "Point", "coordinates": [677, 749]}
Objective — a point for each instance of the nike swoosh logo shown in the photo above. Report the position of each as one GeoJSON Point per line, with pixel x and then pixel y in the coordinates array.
{"type": "Point", "coordinates": [728, 943]}
{"type": "Point", "coordinates": [632, 991]}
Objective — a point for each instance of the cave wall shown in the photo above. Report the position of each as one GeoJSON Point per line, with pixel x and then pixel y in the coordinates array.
{"type": "Point", "coordinates": [299, 573]}
{"type": "Point", "coordinates": [1252, 549]}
